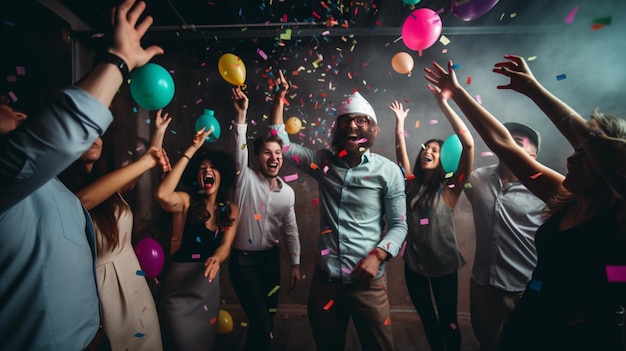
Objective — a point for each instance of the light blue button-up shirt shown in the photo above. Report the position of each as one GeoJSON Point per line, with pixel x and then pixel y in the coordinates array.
{"type": "Point", "coordinates": [354, 204]}
{"type": "Point", "coordinates": [48, 293]}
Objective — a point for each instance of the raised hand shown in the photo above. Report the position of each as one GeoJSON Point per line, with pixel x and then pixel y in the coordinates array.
{"type": "Point", "coordinates": [444, 80]}
{"type": "Point", "coordinates": [200, 137]}
{"type": "Point", "coordinates": [522, 79]}
{"type": "Point", "coordinates": [283, 85]}
{"type": "Point", "coordinates": [399, 111]}
{"type": "Point", "coordinates": [240, 100]}
{"type": "Point", "coordinates": [127, 34]}
{"type": "Point", "coordinates": [162, 120]}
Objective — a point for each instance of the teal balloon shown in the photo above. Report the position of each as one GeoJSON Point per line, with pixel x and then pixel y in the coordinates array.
{"type": "Point", "coordinates": [208, 120]}
{"type": "Point", "coordinates": [451, 153]}
{"type": "Point", "coordinates": [411, 2]}
{"type": "Point", "coordinates": [151, 86]}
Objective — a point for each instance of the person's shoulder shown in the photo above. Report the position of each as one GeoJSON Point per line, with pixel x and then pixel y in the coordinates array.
{"type": "Point", "coordinates": [286, 187]}
{"type": "Point", "coordinates": [485, 169]}
{"type": "Point", "coordinates": [375, 157]}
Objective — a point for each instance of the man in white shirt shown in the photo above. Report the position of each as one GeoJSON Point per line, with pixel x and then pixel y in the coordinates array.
{"type": "Point", "coordinates": [266, 210]}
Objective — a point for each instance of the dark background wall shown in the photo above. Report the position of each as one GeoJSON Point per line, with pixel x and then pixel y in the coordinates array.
{"type": "Point", "coordinates": [357, 59]}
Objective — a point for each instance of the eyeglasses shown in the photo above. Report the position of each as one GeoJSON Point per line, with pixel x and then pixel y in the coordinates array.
{"type": "Point", "coordinates": [360, 121]}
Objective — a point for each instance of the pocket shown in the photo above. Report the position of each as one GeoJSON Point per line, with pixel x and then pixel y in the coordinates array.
{"type": "Point", "coordinates": [70, 216]}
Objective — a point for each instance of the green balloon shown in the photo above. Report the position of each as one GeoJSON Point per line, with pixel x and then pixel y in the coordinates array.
{"type": "Point", "coordinates": [208, 121]}
{"type": "Point", "coordinates": [151, 86]}
{"type": "Point", "coordinates": [451, 153]}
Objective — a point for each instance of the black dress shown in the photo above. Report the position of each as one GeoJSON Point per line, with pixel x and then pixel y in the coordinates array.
{"type": "Point", "coordinates": [570, 303]}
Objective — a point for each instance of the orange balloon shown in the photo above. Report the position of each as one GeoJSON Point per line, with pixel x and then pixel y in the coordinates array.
{"type": "Point", "coordinates": [402, 63]}
{"type": "Point", "coordinates": [293, 125]}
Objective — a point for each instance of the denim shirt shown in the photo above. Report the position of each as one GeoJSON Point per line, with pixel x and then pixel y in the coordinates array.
{"type": "Point", "coordinates": [47, 255]}
{"type": "Point", "coordinates": [355, 202]}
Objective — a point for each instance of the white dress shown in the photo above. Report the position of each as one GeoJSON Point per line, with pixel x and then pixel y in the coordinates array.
{"type": "Point", "coordinates": [129, 315]}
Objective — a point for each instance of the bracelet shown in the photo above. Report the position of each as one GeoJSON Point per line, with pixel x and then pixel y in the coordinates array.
{"type": "Point", "coordinates": [107, 57]}
{"type": "Point", "coordinates": [185, 156]}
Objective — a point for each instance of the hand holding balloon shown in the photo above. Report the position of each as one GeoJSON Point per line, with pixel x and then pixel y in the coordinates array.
{"type": "Point", "coordinates": [209, 122]}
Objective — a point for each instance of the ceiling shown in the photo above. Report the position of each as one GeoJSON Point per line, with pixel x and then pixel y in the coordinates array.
{"type": "Point", "coordinates": [372, 17]}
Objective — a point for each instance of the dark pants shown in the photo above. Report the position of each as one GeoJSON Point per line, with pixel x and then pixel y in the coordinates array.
{"type": "Point", "coordinates": [255, 275]}
{"type": "Point", "coordinates": [367, 304]}
{"type": "Point", "coordinates": [441, 327]}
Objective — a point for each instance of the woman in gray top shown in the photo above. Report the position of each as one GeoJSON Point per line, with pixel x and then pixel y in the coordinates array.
{"type": "Point", "coordinates": [432, 257]}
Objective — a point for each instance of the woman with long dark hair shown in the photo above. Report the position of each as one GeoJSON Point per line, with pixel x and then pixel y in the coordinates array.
{"type": "Point", "coordinates": [576, 298]}
{"type": "Point", "coordinates": [204, 223]}
{"type": "Point", "coordinates": [432, 257]}
{"type": "Point", "coordinates": [128, 308]}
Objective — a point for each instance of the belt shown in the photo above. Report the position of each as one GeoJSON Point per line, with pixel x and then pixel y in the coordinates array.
{"type": "Point", "coordinates": [95, 342]}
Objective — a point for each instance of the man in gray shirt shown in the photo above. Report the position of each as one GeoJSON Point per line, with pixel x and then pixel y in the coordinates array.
{"type": "Point", "coordinates": [506, 217]}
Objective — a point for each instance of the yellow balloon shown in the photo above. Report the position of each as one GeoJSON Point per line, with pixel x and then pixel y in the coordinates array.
{"type": "Point", "coordinates": [293, 125]}
{"type": "Point", "coordinates": [402, 63]}
{"type": "Point", "coordinates": [232, 69]}
{"type": "Point", "coordinates": [224, 322]}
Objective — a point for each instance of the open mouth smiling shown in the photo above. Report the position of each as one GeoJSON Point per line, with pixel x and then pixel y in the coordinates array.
{"type": "Point", "coordinates": [208, 181]}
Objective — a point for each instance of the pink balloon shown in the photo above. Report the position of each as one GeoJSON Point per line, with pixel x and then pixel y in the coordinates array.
{"type": "Point", "coordinates": [150, 256]}
{"type": "Point", "coordinates": [468, 10]}
{"type": "Point", "coordinates": [421, 29]}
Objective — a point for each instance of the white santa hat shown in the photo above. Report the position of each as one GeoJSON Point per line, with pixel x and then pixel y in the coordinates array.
{"type": "Point", "coordinates": [356, 104]}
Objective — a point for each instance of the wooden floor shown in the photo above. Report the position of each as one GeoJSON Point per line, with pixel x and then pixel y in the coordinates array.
{"type": "Point", "coordinates": [292, 331]}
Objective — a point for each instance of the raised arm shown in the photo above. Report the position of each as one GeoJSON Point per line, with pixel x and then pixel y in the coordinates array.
{"type": "Point", "coordinates": [276, 115]}
{"type": "Point", "coordinates": [240, 142]}
{"type": "Point", "coordinates": [606, 153]}
{"type": "Point", "coordinates": [73, 118]}
{"type": "Point", "coordinates": [454, 185]}
{"type": "Point", "coordinates": [161, 123]}
{"type": "Point", "coordinates": [541, 180]}
{"type": "Point", "coordinates": [105, 78]}
{"type": "Point", "coordinates": [167, 196]}
{"type": "Point", "coordinates": [112, 182]}
{"type": "Point", "coordinates": [402, 156]}
{"type": "Point", "coordinates": [568, 121]}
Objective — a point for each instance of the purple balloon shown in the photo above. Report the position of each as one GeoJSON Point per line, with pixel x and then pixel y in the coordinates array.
{"type": "Point", "coordinates": [468, 10]}
{"type": "Point", "coordinates": [150, 256]}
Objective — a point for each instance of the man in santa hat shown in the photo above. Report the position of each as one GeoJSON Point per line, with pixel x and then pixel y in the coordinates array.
{"type": "Point", "coordinates": [359, 192]}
